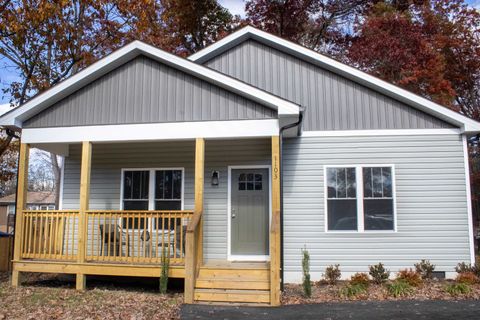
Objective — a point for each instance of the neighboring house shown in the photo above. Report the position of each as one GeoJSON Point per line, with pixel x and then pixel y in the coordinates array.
{"type": "Point", "coordinates": [186, 158]}
{"type": "Point", "coordinates": [36, 200]}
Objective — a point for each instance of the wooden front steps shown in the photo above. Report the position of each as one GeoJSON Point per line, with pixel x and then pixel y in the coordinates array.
{"type": "Point", "coordinates": [223, 282]}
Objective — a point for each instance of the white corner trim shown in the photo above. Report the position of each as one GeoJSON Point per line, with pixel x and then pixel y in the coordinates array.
{"type": "Point", "coordinates": [125, 54]}
{"type": "Point", "coordinates": [231, 257]}
{"type": "Point", "coordinates": [468, 125]}
{"type": "Point", "coordinates": [153, 131]}
{"type": "Point", "coordinates": [469, 199]}
{"type": "Point", "coordinates": [385, 132]}
{"type": "Point", "coordinates": [62, 181]}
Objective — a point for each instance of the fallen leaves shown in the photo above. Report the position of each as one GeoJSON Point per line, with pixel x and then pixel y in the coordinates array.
{"type": "Point", "coordinates": [51, 297]}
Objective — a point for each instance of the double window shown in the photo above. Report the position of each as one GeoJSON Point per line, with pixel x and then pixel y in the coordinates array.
{"type": "Point", "coordinates": [360, 198]}
{"type": "Point", "coordinates": [151, 189]}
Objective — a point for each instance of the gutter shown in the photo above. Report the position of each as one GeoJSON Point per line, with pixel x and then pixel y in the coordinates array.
{"type": "Point", "coordinates": [282, 129]}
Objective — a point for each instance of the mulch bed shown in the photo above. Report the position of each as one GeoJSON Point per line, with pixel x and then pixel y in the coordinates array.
{"type": "Point", "coordinates": [429, 290]}
{"type": "Point", "coordinates": [54, 297]}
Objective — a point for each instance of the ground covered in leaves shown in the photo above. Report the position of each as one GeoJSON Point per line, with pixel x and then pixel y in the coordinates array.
{"type": "Point", "coordinates": [429, 290]}
{"type": "Point", "coordinates": [54, 297]}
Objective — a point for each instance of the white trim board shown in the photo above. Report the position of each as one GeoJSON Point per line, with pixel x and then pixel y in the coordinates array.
{"type": "Point", "coordinates": [469, 200]}
{"type": "Point", "coordinates": [382, 132]}
{"type": "Point", "coordinates": [154, 131]}
{"type": "Point", "coordinates": [231, 257]}
{"type": "Point", "coordinates": [409, 98]}
{"type": "Point", "coordinates": [15, 117]}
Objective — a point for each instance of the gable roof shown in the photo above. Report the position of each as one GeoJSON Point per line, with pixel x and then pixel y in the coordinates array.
{"type": "Point", "coordinates": [15, 117]}
{"type": "Point", "coordinates": [466, 124]}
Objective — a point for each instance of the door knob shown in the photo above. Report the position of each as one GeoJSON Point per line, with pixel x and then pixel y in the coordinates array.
{"type": "Point", "coordinates": [233, 213]}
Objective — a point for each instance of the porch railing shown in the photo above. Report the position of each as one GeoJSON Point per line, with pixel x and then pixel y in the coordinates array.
{"type": "Point", "coordinates": [110, 236]}
{"type": "Point", "coordinates": [136, 236]}
{"type": "Point", "coordinates": [50, 235]}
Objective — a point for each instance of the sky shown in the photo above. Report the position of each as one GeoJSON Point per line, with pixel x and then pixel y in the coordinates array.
{"type": "Point", "coordinates": [8, 74]}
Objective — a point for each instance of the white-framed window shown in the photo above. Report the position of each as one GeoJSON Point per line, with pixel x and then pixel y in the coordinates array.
{"type": "Point", "coordinates": [151, 189]}
{"type": "Point", "coordinates": [360, 198]}
{"type": "Point", "coordinates": [11, 209]}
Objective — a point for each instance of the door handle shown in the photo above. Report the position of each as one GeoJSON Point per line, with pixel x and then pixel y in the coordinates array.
{"type": "Point", "coordinates": [233, 214]}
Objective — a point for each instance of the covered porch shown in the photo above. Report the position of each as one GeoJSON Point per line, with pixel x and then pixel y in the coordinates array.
{"type": "Point", "coordinates": [124, 230]}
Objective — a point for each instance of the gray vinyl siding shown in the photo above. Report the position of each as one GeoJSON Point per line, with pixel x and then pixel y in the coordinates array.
{"type": "Point", "coordinates": [146, 91]}
{"type": "Point", "coordinates": [109, 159]}
{"type": "Point", "coordinates": [331, 101]}
{"type": "Point", "coordinates": [431, 203]}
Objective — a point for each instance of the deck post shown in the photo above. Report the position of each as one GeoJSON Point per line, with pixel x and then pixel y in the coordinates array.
{"type": "Point", "coordinates": [194, 237]}
{"type": "Point", "coordinates": [22, 185]}
{"type": "Point", "coordinates": [84, 202]}
{"type": "Point", "coordinates": [275, 241]}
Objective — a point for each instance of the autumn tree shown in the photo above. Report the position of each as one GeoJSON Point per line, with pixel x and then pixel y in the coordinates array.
{"type": "Point", "coordinates": [431, 48]}
{"type": "Point", "coordinates": [320, 25]}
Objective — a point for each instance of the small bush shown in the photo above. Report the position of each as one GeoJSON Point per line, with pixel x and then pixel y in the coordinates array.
{"type": "Point", "coordinates": [425, 269]}
{"type": "Point", "coordinates": [411, 277]}
{"type": "Point", "coordinates": [306, 284]}
{"type": "Point", "coordinates": [399, 288]}
{"type": "Point", "coordinates": [467, 267]}
{"type": "Point", "coordinates": [332, 274]}
{"type": "Point", "coordinates": [360, 278]}
{"type": "Point", "coordinates": [456, 289]}
{"type": "Point", "coordinates": [378, 273]}
{"type": "Point", "coordinates": [353, 290]}
{"type": "Point", "coordinates": [467, 277]}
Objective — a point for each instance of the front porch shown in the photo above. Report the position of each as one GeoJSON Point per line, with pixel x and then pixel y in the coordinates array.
{"type": "Point", "coordinates": [131, 241]}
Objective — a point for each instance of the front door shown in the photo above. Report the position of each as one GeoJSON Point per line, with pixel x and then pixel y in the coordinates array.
{"type": "Point", "coordinates": [249, 216]}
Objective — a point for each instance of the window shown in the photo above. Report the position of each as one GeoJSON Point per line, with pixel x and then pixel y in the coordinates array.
{"type": "Point", "coordinates": [11, 209]}
{"type": "Point", "coordinates": [377, 198]}
{"type": "Point", "coordinates": [342, 199]}
{"type": "Point", "coordinates": [250, 181]}
{"type": "Point", "coordinates": [151, 189]}
{"type": "Point", "coordinates": [360, 198]}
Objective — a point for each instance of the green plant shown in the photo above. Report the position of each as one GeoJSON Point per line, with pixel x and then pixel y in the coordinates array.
{"type": "Point", "coordinates": [165, 262]}
{"type": "Point", "coordinates": [332, 274]}
{"type": "Point", "coordinates": [306, 284]}
{"type": "Point", "coordinates": [399, 288]}
{"type": "Point", "coordinates": [360, 278]}
{"type": "Point", "coordinates": [456, 289]}
{"type": "Point", "coordinates": [467, 267]}
{"type": "Point", "coordinates": [353, 290]}
{"type": "Point", "coordinates": [410, 276]}
{"type": "Point", "coordinates": [378, 273]}
{"type": "Point", "coordinates": [425, 269]}
{"type": "Point", "coordinates": [467, 277]}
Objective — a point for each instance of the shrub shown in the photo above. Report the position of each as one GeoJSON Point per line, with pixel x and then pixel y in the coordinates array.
{"type": "Point", "coordinates": [332, 274]}
{"type": "Point", "coordinates": [353, 290]}
{"type": "Point", "coordinates": [306, 284]}
{"type": "Point", "coordinates": [165, 261]}
{"type": "Point", "coordinates": [425, 269]}
{"type": "Point", "coordinates": [360, 278]}
{"type": "Point", "coordinates": [467, 267]}
{"type": "Point", "coordinates": [399, 288]}
{"type": "Point", "coordinates": [378, 273]}
{"type": "Point", "coordinates": [467, 277]}
{"type": "Point", "coordinates": [411, 277]}
{"type": "Point", "coordinates": [456, 289]}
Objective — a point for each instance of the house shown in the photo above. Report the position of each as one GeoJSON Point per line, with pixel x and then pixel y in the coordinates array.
{"type": "Point", "coordinates": [233, 161]}
{"type": "Point", "coordinates": [36, 200]}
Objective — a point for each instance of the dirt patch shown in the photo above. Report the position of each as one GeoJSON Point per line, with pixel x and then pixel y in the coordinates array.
{"type": "Point", "coordinates": [429, 290]}
{"type": "Point", "coordinates": [54, 297]}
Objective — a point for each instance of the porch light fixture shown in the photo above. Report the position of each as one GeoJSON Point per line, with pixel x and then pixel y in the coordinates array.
{"type": "Point", "coordinates": [215, 176]}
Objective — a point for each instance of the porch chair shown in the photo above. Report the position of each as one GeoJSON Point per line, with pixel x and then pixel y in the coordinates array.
{"type": "Point", "coordinates": [117, 240]}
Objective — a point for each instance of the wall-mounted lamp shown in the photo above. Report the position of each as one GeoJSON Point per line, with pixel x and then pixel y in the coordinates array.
{"type": "Point", "coordinates": [215, 177]}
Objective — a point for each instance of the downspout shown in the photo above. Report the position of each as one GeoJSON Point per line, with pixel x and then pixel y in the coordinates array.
{"type": "Point", "coordinates": [282, 129]}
